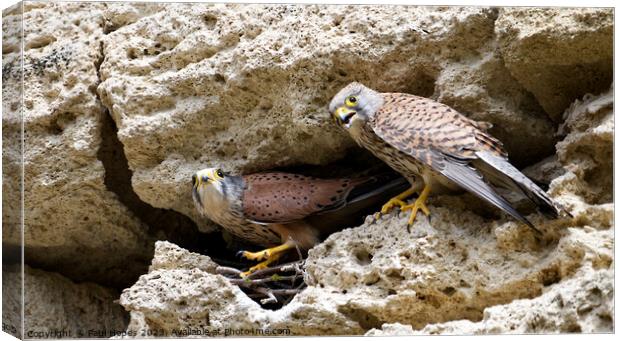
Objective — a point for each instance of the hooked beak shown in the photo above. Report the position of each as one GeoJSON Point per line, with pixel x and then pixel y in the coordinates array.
{"type": "Point", "coordinates": [197, 181]}
{"type": "Point", "coordinates": [343, 115]}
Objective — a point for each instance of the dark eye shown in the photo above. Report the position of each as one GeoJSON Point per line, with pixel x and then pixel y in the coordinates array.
{"type": "Point", "coordinates": [219, 173]}
{"type": "Point", "coordinates": [351, 101]}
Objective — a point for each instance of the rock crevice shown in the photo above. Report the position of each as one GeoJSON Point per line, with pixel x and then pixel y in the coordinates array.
{"type": "Point", "coordinates": [123, 102]}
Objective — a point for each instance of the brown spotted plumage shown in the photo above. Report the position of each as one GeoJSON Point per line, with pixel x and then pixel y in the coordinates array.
{"type": "Point", "coordinates": [429, 141]}
{"type": "Point", "coordinates": [288, 209]}
{"type": "Point", "coordinates": [283, 197]}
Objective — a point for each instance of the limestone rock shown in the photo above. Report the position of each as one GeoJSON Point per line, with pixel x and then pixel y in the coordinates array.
{"type": "Point", "coordinates": [246, 87]}
{"type": "Point", "coordinates": [448, 271]}
{"type": "Point", "coordinates": [558, 54]}
{"type": "Point", "coordinates": [392, 329]}
{"type": "Point", "coordinates": [180, 294]}
{"type": "Point", "coordinates": [73, 222]}
{"type": "Point", "coordinates": [118, 15]}
{"type": "Point", "coordinates": [587, 150]}
{"type": "Point", "coordinates": [171, 256]}
{"type": "Point", "coordinates": [583, 304]}
{"type": "Point", "coordinates": [12, 93]}
{"type": "Point", "coordinates": [464, 271]}
{"type": "Point", "coordinates": [54, 304]}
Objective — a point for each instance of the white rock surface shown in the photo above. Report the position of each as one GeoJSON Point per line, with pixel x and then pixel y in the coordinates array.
{"type": "Point", "coordinates": [463, 272]}
{"type": "Point", "coordinates": [558, 54]}
{"type": "Point", "coordinates": [246, 87]}
{"type": "Point", "coordinates": [56, 307]}
{"type": "Point", "coordinates": [583, 304]}
{"type": "Point", "coordinates": [392, 329]}
{"type": "Point", "coordinates": [181, 293]}
{"type": "Point", "coordinates": [73, 223]}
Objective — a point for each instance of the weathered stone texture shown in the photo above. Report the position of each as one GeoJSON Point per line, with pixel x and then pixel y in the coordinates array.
{"type": "Point", "coordinates": [172, 88]}
{"type": "Point", "coordinates": [55, 304]}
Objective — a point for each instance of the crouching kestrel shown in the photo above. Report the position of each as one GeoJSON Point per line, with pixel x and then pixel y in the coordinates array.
{"type": "Point", "coordinates": [287, 210]}
{"type": "Point", "coordinates": [419, 137]}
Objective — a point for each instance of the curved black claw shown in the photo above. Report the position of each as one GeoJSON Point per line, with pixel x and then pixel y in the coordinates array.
{"type": "Point", "coordinates": [240, 254]}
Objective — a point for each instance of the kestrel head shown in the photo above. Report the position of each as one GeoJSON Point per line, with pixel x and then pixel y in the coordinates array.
{"type": "Point", "coordinates": [209, 185]}
{"type": "Point", "coordinates": [354, 104]}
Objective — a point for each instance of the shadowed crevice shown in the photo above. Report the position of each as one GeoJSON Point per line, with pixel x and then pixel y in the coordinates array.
{"type": "Point", "coordinates": [162, 223]}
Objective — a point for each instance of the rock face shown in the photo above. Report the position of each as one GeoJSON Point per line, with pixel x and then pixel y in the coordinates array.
{"type": "Point", "coordinates": [468, 269]}
{"type": "Point", "coordinates": [461, 274]}
{"type": "Point", "coordinates": [181, 293]}
{"type": "Point", "coordinates": [72, 221]}
{"type": "Point", "coordinates": [76, 220]}
{"type": "Point", "coordinates": [579, 305]}
{"type": "Point", "coordinates": [245, 86]}
{"type": "Point", "coordinates": [56, 307]}
{"type": "Point", "coordinates": [123, 102]}
{"type": "Point", "coordinates": [556, 54]}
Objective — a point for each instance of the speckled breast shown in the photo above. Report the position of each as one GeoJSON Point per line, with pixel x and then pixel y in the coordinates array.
{"type": "Point", "coordinates": [404, 164]}
{"type": "Point", "coordinates": [254, 233]}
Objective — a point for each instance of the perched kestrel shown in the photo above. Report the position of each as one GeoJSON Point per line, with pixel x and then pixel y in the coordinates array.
{"type": "Point", "coordinates": [419, 137]}
{"type": "Point", "coordinates": [288, 210]}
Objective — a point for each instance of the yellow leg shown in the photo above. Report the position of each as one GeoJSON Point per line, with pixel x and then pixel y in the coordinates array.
{"type": "Point", "coordinates": [419, 204]}
{"type": "Point", "coordinates": [261, 265]}
{"type": "Point", "coordinates": [395, 201]}
{"type": "Point", "coordinates": [269, 255]}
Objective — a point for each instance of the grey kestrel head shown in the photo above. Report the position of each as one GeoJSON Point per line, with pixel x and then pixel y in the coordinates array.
{"type": "Point", "coordinates": [355, 104]}
{"type": "Point", "coordinates": [213, 187]}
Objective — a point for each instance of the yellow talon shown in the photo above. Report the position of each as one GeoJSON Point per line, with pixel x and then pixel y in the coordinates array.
{"type": "Point", "coordinates": [419, 204]}
{"type": "Point", "coordinates": [415, 207]}
{"type": "Point", "coordinates": [261, 265]}
{"type": "Point", "coordinates": [260, 255]}
{"type": "Point", "coordinates": [391, 204]}
{"type": "Point", "coordinates": [395, 201]}
{"type": "Point", "coordinates": [269, 255]}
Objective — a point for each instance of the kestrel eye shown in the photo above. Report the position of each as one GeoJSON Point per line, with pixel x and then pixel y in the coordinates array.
{"type": "Point", "coordinates": [219, 173]}
{"type": "Point", "coordinates": [351, 101]}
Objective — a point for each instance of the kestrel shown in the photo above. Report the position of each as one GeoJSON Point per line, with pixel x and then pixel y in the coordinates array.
{"type": "Point", "coordinates": [421, 138]}
{"type": "Point", "coordinates": [284, 209]}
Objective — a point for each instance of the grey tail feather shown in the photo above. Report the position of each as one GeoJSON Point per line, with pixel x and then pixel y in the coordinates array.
{"type": "Point", "coordinates": [461, 173]}
{"type": "Point", "coordinates": [374, 188]}
{"type": "Point", "coordinates": [501, 173]}
{"type": "Point", "coordinates": [367, 197]}
{"type": "Point", "coordinates": [395, 186]}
